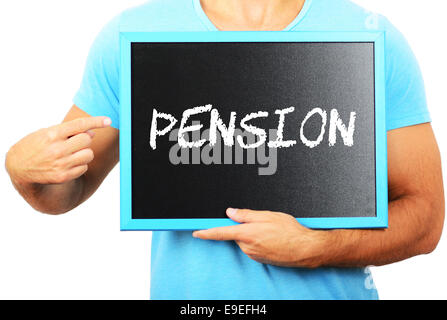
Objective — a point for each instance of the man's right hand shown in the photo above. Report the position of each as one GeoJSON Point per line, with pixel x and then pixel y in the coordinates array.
{"type": "Point", "coordinates": [54, 155]}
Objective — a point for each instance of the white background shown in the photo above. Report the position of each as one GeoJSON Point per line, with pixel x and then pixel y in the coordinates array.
{"type": "Point", "coordinates": [83, 255]}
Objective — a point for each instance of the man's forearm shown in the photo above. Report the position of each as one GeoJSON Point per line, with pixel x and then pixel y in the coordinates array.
{"type": "Point", "coordinates": [52, 198]}
{"type": "Point", "coordinates": [410, 233]}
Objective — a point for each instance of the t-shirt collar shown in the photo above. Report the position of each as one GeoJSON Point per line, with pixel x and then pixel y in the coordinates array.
{"type": "Point", "coordinates": [211, 27]}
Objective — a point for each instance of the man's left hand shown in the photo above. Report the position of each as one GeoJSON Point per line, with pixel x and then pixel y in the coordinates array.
{"type": "Point", "coordinates": [272, 238]}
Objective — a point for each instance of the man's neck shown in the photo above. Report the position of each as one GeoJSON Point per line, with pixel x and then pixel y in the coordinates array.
{"type": "Point", "coordinates": [272, 15]}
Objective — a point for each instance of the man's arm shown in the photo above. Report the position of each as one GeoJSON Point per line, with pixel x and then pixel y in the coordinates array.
{"type": "Point", "coordinates": [416, 205]}
{"type": "Point", "coordinates": [55, 169]}
{"type": "Point", "coordinates": [416, 217]}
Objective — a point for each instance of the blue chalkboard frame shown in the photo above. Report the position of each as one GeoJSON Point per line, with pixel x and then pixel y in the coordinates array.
{"type": "Point", "coordinates": [127, 38]}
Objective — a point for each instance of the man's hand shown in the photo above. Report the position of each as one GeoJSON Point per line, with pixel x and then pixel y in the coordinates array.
{"type": "Point", "coordinates": [271, 237]}
{"type": "Point", "coordinates": [415, 217]}
{"type": "Point", "coordinates": [57, 168]}
{"type": "Point", "coordinates": [54, 155]}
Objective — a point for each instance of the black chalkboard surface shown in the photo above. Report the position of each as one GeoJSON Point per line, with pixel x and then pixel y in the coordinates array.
{"type": "Point", "coordinates": [283, 126]}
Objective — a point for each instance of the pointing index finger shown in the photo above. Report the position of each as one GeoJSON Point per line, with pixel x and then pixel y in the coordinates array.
{"type": "Point", "coordinates": [81, 125]}
{"type": "Point", "coordinates": [220, 234]}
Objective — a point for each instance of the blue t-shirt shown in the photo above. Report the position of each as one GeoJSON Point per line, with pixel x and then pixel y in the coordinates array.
{"type": "Point", "coordinates": [183, 267]}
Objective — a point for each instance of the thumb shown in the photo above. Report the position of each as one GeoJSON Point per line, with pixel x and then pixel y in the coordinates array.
{"type": "Point", "coordinates": [246, 215]}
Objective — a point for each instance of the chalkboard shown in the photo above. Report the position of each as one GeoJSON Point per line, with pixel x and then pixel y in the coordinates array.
{"type": "Point", "coordinates": [289, 122]}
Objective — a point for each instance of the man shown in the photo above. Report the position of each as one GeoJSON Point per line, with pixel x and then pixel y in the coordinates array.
{"type": "Point", "coordinates": [269, 255]}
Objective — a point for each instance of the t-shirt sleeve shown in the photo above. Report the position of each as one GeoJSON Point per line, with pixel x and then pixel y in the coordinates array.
{"type": "Point", "coordinates": [98, 94]}
{"type": "Point", "coordinates": [406, 103]}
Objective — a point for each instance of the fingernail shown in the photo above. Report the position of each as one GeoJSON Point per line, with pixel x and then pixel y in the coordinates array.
{"type": "Point", "coordinates": [91, 133]}
{"type": "Point", "coordinates": [231, 211]}
{"type": "Point", "coordinates": [107, 122]}
{"type": "Point", "coordinates": [194, 234]}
